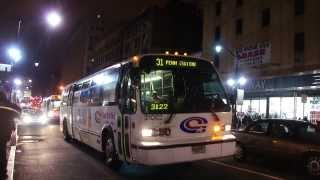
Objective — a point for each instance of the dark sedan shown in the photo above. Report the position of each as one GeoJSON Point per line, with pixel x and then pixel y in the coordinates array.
{"type": "Point", "coordinates": [289, 139]}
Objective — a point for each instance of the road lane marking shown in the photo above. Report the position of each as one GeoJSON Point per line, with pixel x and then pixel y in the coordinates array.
{"type": "Point", "coordinates": [245, 170]}
{"type": "Point", "coordinates": [10, 165]}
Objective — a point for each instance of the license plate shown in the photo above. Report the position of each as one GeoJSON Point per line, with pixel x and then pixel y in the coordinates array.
{"type": "Point", "coordinates": [198, 149]}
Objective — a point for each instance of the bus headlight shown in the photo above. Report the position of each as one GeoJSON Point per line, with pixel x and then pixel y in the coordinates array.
{"type": "Point", "coordinates": [165, 131]}
{"type": "Point", "coordinates": [153, 143]}
{"type": "Point", "coordinates": [227, 127]}
{"type": "Point", "coordinates": [146, 132]}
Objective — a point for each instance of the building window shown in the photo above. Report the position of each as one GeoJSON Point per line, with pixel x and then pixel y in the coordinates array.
{"type": "Point", "coordinates": [298, 7]}
{"type": "Point", "coordinates": [265, 17]}
{"type": "Point", "coordinates": [239, 3]}
{"type": "Point", "coordinates": [218, 8]}
{"type": "Point", "coordinates": [299, 47]}
{"type": "Point", "coordinates": [238, 26]}
{"type": "Point", "coordinates": [217, 33]}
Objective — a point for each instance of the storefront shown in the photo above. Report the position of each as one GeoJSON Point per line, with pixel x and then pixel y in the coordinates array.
{"type": "Point", "coordinates": [291, 97]}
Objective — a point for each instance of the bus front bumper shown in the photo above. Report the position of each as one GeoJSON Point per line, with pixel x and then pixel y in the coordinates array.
{"type": "Point", "coordinates": [171, 154]}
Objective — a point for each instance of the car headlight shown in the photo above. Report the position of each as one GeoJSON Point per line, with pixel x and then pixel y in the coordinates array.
{"type": "Point", "coordinates": [27, 119]}
{"type": "Point", "coordinates": [43, 119]}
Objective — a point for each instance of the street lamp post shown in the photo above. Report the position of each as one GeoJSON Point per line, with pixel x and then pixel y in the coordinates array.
{"type": "Point", "coordinates": [235, 82]}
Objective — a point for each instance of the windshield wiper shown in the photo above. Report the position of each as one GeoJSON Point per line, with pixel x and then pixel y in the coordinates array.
{"type": "Point", "coordinates": [169, 118]}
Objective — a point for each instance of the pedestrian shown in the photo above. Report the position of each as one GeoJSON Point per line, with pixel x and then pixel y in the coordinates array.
{"type": "Point", "coordinates": [8, 112]}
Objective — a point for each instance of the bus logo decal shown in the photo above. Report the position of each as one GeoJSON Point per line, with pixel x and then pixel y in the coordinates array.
{"type": "Point", "coordinates": [194, 125]}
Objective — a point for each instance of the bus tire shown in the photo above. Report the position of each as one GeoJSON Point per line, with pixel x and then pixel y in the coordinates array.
{"type": "Point", "coordinates": [66, 135]}
{"type": "Point", "coordinates": [111, 157]}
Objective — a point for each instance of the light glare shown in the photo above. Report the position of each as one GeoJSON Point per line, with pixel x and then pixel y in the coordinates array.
{"type": "Point", "coordinates": [230, 82]}
{"type": "Point", "coordinates": [17, 82]}
{"type": "Point", "coordinates": [152, 143]}
{"type": "Point", "coordinates": [218, 48]}
{"type": "Point", "coordinates": [146, 132]}
{"type": "Point", "coordinates": [15, 54]}
{"type": "Point", "coordinates": [54, 19]}
{"type": "Point", "coordinates": [216, 128]}
{"type": "Point", "coordinates": [242, 81]}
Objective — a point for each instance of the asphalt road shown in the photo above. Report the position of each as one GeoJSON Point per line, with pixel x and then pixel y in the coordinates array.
{"type": "Point", "coordinates": [43, 154]}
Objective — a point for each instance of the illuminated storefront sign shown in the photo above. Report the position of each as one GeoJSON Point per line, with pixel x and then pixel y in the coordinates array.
{"type": "Point", "coordinates": [5, 67]}
{"type": "Point", "coordinates": [283, 82]}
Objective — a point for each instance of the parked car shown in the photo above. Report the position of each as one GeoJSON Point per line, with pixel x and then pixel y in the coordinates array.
{"type": "Point", "coordinates": [286, 139]}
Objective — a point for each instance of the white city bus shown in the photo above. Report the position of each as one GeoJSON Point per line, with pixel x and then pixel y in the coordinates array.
{"type": "Point", "coordinates": [150, 110]}
{"type": "Point", "coordinates": [50, 107]}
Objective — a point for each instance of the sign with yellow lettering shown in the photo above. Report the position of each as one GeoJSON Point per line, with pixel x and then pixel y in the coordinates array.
{"type": "Point", "coordinates": [159, 106]}
{"type": "Point", "coordinates": [163, 62]}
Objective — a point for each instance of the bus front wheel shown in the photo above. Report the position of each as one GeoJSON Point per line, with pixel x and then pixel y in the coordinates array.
{"type": "Point", "coordinates": [110, 155]}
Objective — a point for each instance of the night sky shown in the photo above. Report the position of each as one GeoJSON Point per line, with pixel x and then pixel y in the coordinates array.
{"type": "Point", "coordinates": [42, 44]}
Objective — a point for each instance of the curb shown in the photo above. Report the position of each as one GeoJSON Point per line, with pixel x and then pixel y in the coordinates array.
{"type": "Point", "coordinates": [10, 165]}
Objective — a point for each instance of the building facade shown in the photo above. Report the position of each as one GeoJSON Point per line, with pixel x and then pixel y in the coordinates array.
{"type": "Point", "coordinates": [174, 27]}
{"type": "Point", "coordinates": [275, 45]}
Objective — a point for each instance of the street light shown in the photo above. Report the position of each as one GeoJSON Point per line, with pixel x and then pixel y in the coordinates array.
{"type": "Point", "coordinates": [218, 48]}
{"type": "Point", "coordinates": [14, 53]}
{"type": "Point", "coordinates": [234, 82]}
{"type": "Point", "coordinates": [36, 64]}
{"type": "Point", "coordinates": [231, 82]}
{"type": "Point", "coordinates": [54, 19]}
{"type": "Point", "coordinates": [17, 81]}
{"type": "Point", "coordinates": [242, 81]}
{"type": "Point", "coordinates": [30, 80]}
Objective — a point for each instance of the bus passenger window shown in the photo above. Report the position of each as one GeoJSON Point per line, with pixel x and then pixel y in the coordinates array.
{"type": "Point", "coordinates": [95, 96]}
{"type": "Point", "coordinates": [85, 96]}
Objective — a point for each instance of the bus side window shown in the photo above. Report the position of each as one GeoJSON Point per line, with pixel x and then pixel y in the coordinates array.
{"type": "Point", "coordinates": [85, 96]}
{"type": "Point", "coordinates": [95, 96]}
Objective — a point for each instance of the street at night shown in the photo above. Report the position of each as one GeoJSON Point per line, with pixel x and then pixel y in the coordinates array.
{"type": "Point", "coordinates": [160, 89]}
{"type": "Point", "coordinates": [43, 154]}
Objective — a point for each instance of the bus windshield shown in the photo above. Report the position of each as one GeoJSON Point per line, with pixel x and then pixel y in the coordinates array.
{"type": "Point", "coordinates": [55, 104]}
{"type": "Point", "coordinates": [182, 90]}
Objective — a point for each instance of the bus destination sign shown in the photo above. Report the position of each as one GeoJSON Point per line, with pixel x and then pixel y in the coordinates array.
{"type": "Point", "coordinates": [162, 62]}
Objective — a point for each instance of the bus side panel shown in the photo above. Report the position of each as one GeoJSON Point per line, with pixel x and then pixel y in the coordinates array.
{"type": "Point", "coordinates": [101, 117]}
